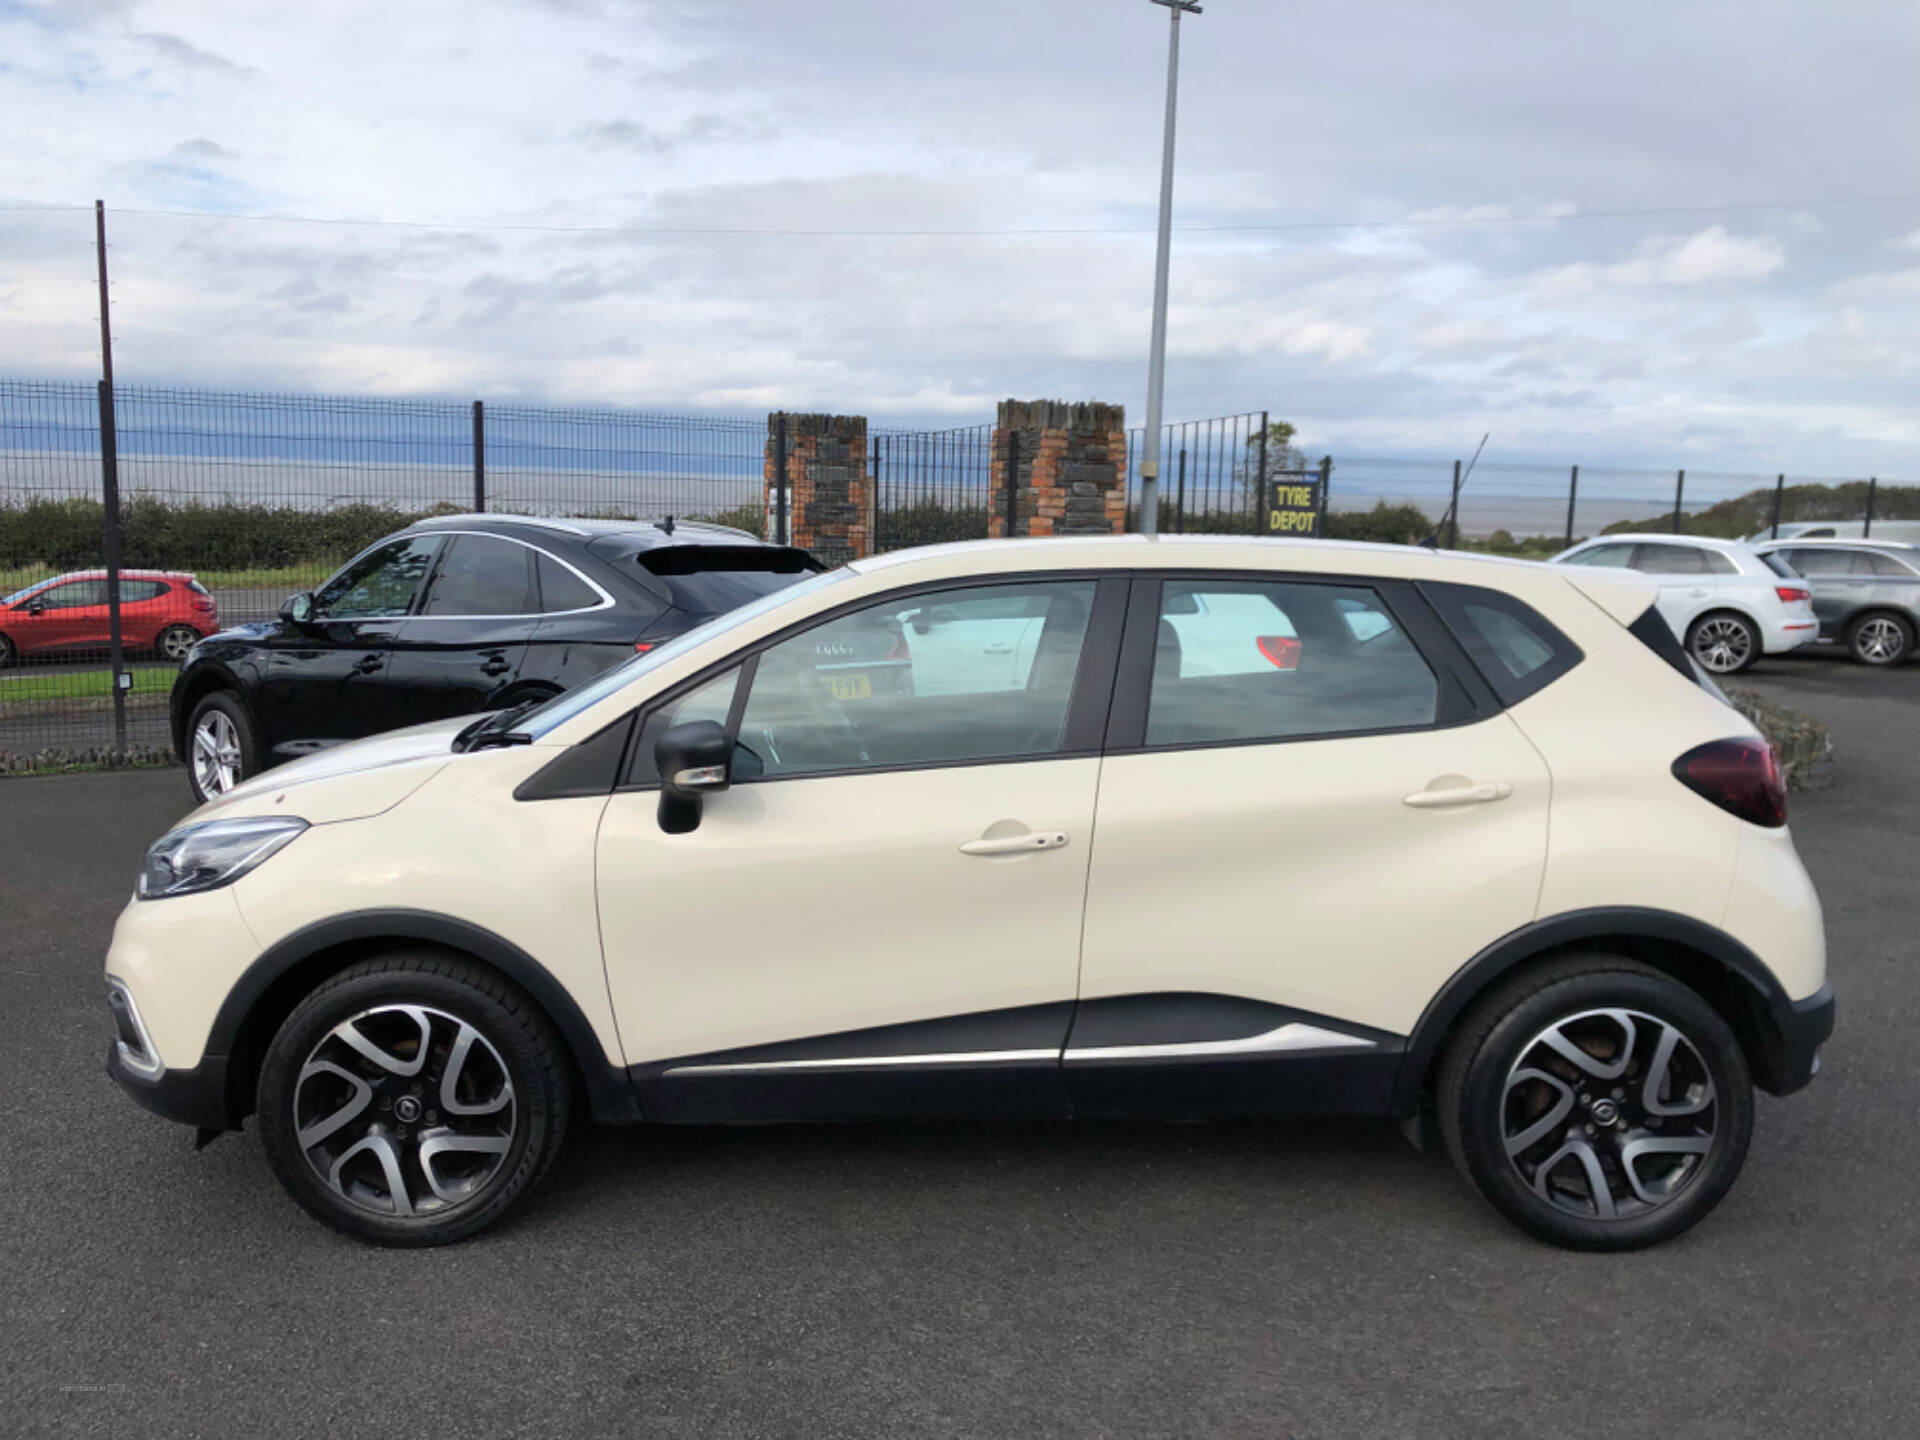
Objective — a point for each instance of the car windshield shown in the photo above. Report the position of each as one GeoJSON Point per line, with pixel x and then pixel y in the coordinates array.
{"type": "Point", "coordinates": [564, 707]}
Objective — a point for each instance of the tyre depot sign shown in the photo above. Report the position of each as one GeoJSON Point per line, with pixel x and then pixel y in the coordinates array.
{"type": "Point", "coordinates": [1293, 504]}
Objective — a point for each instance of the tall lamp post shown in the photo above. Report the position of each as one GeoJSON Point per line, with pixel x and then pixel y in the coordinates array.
{"type": "Point", "coordinates": [1157, 356]}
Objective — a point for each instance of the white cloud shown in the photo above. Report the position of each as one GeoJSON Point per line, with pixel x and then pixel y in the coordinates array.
{"type": "Point", "coordinates": [1709, 257]}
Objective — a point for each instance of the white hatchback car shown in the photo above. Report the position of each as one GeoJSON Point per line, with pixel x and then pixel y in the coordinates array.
{"type": "Point", "coordinates": [1472, 848]}
{"type": "Point", "coordinates": [1727, 603]}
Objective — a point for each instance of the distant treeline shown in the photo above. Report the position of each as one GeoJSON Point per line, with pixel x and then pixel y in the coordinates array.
{"type": "Point", "coordinates": [1752, 512]}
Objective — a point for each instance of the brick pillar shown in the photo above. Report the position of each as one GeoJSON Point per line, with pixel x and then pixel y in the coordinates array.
{"type": "Point", "coordinates": [829, 500]}
{"type": "Point", "coordinates": [1072, 478]}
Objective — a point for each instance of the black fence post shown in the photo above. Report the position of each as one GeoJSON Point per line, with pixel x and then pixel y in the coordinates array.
{"type": "Point", "coordinates": [1326, 496]}
{"type": "Point", "coordinates": [1779, 494]}
{"type": "Point", "coordinates": [1180, 496]}
{"type": "Point", "coordinates": [1013, 480]}
{"type": "Point", "coordinates": [1679, 489]}
{"type": "Point", "coordinates": [1573, 493]}
{"type": "Point", "coordinates": [780, 534]}
{"type": "Point", "coordinates": [110, 508]}
{"type": "Point", "coordinates": [1453, 511]}
{"type": "Point", "coordinates": [479, 458]}
{"type": "Point", "coordinates": [1873, 483]}
{"type": "Point", "coordinates": [1260, 482]}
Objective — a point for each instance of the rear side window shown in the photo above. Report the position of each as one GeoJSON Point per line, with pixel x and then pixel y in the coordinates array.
{"type": "Point", "coordinates": [1670, 560]}
{"type": "Point", "coordinates": [482, 576]}
{"type": "Point", "coordinates": [561, 589]}
{"type": "Point", "coordinates": [1247, 660]}
{"type": "Point", "coordinates": [1720, 564]}
{"type": "Point", "coordinates": [1887, 565]}
{"type": "Point", "coordinates": [1516, 648]}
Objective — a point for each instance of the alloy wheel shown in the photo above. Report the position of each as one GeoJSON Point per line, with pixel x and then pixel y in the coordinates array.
{"type": "Point", "coordinates": [1609, 1114]}
{"type": "Point", "coordinates": [1879, 640]}
{"type": "Point", "coordinates": [404, 1110]}
{"type": "Point", "coordinates": [1722, 644]}
{"type": "Point", "coordinates": [176, 641]}
{"type": "Point", "coordinates": [216, 753]}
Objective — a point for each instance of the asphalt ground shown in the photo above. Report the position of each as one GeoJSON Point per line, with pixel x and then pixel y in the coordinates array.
{"type": "Point", "coordinates": [1269, 1279]}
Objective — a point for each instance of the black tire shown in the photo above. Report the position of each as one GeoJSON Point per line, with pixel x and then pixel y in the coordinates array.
{"type": "Point", "coordinates": [1485, 1096]}
{"type": "Point", "coordinates": [520, 1050]}
{"type": "Point", "coordinates": [1724, 642]}
{"type": "Point", "coordinates": [245, 738]}
{"type": "Point", "coordinates": [1880, 637]}
{"type": "Point", "coordinates": [6, 652]}
{"type": "Point", "coordinates": [173, 642]}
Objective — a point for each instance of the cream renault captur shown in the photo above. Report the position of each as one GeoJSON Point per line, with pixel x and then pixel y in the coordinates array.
{"type": "Point", "coordinates": [959, 831]}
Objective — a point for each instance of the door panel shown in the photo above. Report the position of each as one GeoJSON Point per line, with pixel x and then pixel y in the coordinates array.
{"type": "Point", "coordinates": [469, 641]}
{"type": "Point", "coordinates": [1297, 873]}
{"type": "Point", "coordinates": [809, 907]}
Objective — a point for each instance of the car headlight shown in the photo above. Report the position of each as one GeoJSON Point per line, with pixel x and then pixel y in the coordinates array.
{"type": "Point", "coordinates": [212, 853]}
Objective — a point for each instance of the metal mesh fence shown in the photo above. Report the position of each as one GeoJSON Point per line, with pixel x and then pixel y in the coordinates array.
{"type": "Point", "coordinates": [930, 486]}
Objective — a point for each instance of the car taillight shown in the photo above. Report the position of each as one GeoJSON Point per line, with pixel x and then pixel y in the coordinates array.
{"type": "Point", "coordinates": [1282, 650]}
{"type": "Point", "coordinates": [1741, 776]}
{"type": "Point", "coordinates": [1791, 593]}
{"type": "Point", "coordinates": [203, 602]}
{"type": "Point", "coordinates": [640, 647]}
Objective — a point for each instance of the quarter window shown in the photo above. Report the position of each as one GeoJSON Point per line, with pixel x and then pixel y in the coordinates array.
{"type": "Point", "coordinates": [482, 576]}
{"type": "Point", "coordinates": [711, 701]}
{"type": "Point", "coordinates": [379, 584]}
{"type": "Point", "coordinates": [1887, 565]}
{"type": "Point", "coordinates": [1516, 648]}
{"type": "Point", "coordinates": [561, 589]}
{"type": "Point", "coordinates": [1250, 661]}
{"type": "Point", "coordinates": [982, 673]}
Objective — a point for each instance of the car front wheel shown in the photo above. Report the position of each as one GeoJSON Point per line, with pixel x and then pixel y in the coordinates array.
{"type": "Point", "coordinates": [1880, 639]}
{"type": "Point", "coordinates": [1597, 1104]}
{"type": "Point", "coordinates": [413, 1099]}
{"type": "Point", "coordinates": [1723, 643]}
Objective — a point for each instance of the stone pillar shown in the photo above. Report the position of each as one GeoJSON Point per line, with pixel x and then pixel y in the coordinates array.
{"type": "Point", "coordinates": [829, 500]}
{"type": "Point", "coordinates": [1072, 476]}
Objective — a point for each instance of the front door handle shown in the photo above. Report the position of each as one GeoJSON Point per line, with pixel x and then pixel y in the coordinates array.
{"type": "Point", "coordinates": [1431, 799]}
{"type": "Point", "coordinates": [1017, 844]}
{"type": "Point", "coordinates": [495, 666]}
{"type": "Point", "coordinates": [367, 664]}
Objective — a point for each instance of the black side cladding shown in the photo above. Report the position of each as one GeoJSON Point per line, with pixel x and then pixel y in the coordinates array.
{"type": "Point", "coordinates": [1652, 631]}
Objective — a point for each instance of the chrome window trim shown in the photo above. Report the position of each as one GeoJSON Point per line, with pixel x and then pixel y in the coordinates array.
{"type": "Point", "coordinates": [606, 601]}
{"type": "Point", "coordinates": [1292, 1036]}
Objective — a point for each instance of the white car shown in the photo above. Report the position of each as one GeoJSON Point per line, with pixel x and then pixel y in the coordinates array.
{"type": "Point", "coordinates": [1899, 532]}
{"type": "Point", "coordinates": [1480, 854]}
{"type": "Point", "coordinates": [1728, 604]}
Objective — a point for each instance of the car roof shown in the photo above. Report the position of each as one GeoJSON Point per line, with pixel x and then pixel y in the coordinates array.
{"type": "Point", "coordinates": [1637, 537]}
{"type": "Point", "coordinates": [125, 574]}
{"type": "Point", "coordinates": [645, 534]}
{"type": "Point", "coordinates": [1208, 552]}
{"type": "Point", "coordinates": [1839, 542]}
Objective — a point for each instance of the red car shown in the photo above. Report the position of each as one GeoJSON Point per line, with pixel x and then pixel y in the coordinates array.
{"type": "Point", "coordinates": [164, 611]}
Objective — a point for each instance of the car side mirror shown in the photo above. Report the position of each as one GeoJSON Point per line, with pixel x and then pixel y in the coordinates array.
{"type": "Point", "coordinates": [36, 607]}
{"type": "Point", "coordinates": [298, 609]}
{"type": "Point", "coordinates": [694, 761]}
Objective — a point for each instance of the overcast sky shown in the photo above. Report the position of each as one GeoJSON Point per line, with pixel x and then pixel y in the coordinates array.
{"type": "Point", "coordinates": [1750, 338]}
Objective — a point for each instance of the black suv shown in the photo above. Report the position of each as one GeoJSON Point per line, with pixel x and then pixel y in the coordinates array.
{"type": "Point", "coordinates": [454, 615]}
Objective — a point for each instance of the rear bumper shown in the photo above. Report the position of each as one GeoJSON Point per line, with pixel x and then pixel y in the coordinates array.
{"type": "Point", "coordinates": [1800, 1028]}
{"type": "Point", "coordinates": [1782, 636]}
{"type": "Point", "coordinates": [191, 1097]}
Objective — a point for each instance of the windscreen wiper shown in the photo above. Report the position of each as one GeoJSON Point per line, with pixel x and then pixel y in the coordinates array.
{"type": "Point", "coordinates": [493, 731]}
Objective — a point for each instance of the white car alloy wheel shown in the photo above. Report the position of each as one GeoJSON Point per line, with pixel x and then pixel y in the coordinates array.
{"type": "Point", "coordinates": [1608, 1114]}
{"type": "Point", "coordinates": [404, 1110]}
{"type": "Point", "coordinates": [176, 641]}
{"type": "Point", "coordinates": [216, 753]}
{"type": "Point", "coordinates": [1723, 643]}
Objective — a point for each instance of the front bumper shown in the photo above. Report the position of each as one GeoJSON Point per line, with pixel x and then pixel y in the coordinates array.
{"type": "Point", "coordinates": [1792, 1054]}
{"type": "Point", "coordinates": [192, 1097]}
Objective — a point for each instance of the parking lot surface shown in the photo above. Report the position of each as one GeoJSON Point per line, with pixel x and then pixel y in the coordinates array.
{"type": "Point", "coordinates": [1295, 1278]}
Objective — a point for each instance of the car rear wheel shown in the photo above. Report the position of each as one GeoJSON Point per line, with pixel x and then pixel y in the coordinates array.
{"type": "Point", "coordinates": [1597, 1104]}
{"type": "Point", "coordinates": [1723, 643]}
{"type": "Point", "coordinates": [1880, 639]}
{"type": "Point", "coordinates": [221, 748]}
{"type": "Point", "coordinates": [413, 1099]}
{"type": "Point", "coordinates": [175, 641]}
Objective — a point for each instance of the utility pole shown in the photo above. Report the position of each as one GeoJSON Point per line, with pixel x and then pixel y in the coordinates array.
{"type": "Point", "coordinates": [1157, 354]}
{"type": "Point", "coordinates": [110, 493]}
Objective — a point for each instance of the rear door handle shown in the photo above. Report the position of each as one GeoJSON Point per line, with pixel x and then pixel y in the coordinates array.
{"type": "Point", "coordinates": [1463, 795]}
{"type": "Point", "coordinates": [1017, 844]}
{"type": "Point", "coordinates": [367, 664]}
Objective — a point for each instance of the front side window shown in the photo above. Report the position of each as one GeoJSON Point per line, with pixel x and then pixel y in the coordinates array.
{"type": "Point", "coordinates": [482, 576]}
{"type": "Point", "coordinates": [1669, 560]}
{"type": "Point", "coordinates": [380, 584]}
{"type": "Point", "coordinates": [1602, 555]}
{"type": "Point", "coordinates": [74, 595]}
{"type": "Point", "coordinates": [1244, 660]}
{"type": "Point", "coordinates": [964, 675]}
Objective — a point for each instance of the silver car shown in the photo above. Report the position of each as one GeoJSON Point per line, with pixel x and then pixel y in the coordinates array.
{"type": "Point", "coordinates": [1866, 593]}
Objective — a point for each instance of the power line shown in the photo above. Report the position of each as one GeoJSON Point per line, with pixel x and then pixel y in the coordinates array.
{"type": "Point", "coordinates": [784, 232]}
